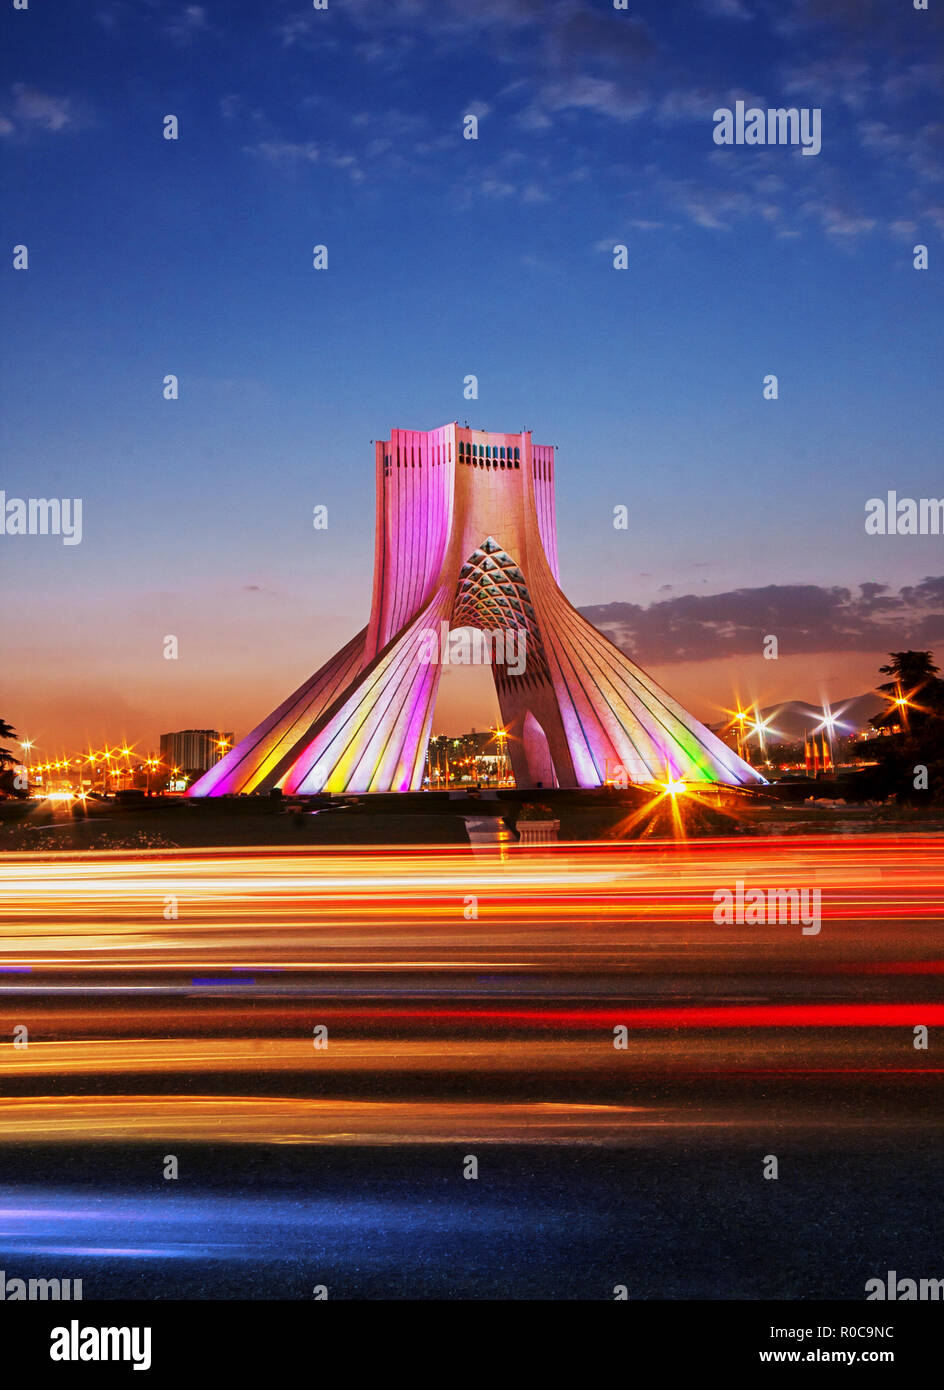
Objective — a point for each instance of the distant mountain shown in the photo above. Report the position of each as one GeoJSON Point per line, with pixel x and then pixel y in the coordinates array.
{"type": "Point", "coordinates": [791, 721]}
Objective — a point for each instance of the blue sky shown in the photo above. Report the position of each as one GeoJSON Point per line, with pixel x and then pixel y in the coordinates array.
{"type": "Point", "coordinates": [448, 257]}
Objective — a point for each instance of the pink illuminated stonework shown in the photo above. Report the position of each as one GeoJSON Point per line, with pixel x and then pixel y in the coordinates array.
{"type": "Point", "coordinates": [466, 537]}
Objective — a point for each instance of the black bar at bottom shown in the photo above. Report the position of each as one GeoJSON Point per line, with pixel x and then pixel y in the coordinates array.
{"type": "Point", "coordinates": [451, 1339]}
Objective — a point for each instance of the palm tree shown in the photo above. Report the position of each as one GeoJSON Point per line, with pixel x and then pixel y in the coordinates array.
{"type": "Point", "coordinates": [915, 692]}
{"type": "Point", "coordinates": [7, 731]}
{"type": "Point", "coordinates": [8, 761]}
{"type": "Point", "coordinates": [915, 721]}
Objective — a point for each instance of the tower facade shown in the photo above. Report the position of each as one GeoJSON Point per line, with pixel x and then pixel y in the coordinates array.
{"type": "Point", "coordinates": [466, 537]}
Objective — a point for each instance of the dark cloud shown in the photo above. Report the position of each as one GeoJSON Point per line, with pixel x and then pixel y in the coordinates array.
{"type": "Point", "coordinates": [803, 617]}
{"type": "Point", "coordinates": [584, 35]}
{"type": "Point", "coordinates": [857, 14]}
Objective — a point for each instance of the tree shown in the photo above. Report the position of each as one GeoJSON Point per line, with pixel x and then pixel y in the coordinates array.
{"type": "Point", "coordinates": [7, 731]}
{"type": "Point", "coordinates": [915, 718]}
{"type": "Point", "coordinates": [8, 761]}
{"type": "Point", "coordinates": [915, 692]}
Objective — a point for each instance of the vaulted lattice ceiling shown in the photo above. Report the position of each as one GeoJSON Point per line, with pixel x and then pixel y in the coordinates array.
{"type": "Point", "coordinates": [492, 595]}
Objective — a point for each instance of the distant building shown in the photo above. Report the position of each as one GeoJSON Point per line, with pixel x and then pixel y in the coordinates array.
{"type": "Point", "coordinates": [194, 750]}
{"type": "Point", "coordinates": [474, 757]}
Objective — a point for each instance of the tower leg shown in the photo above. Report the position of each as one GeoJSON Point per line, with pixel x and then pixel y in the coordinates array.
{"type": "Point", "coordinates": [259, 761]}
{"type": "Point", "coordinates": [617, 717]}
{"type": "Point", "coordinates": [537, 743]}
{"type": "Point", "coordinates": [374, 737]}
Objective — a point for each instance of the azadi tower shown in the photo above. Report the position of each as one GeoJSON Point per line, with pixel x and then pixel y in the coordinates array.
{"type": "Point", "coordinates": [466, 537]}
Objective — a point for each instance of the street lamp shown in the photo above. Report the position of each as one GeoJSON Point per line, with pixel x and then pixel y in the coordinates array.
{"type": "Point", "coordinates": [501, 734]}
{"type": "Point", "coordinates": [736, 723]}
{"type": "Point", "coordinates": [26, 744]}
{"type": "Point", "coordinates": [830, 722]}
{"type": "Point", "coordinates": [760, 728]}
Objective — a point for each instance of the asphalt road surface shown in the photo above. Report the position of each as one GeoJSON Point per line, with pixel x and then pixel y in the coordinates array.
{"type": "Point", "coordinates": [431, 1073]}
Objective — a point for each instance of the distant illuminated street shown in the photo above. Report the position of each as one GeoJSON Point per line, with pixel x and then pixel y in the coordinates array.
{"type": "Point", "coordinates": [177, 1002]}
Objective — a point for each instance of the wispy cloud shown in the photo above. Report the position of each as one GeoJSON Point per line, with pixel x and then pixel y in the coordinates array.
{"type": "Point", "coordinates": [30, 110]}
{"type": "Point", "coordinates": [727, 9]}
{"type": "Point", "coordinates": [285, 153]}
{"type": "Point", "coordinates": [568, 79]}
{"type": "Point", "coordinates": [603, 95]}
{"type": "Point", "coordinates": [182, 24]}
{"type": "Point", "coordinates": [186, 24]}
{"type": "Point", "coordinates": [842, 77]}
{"type": "Point", "coordinates": [838, 219]}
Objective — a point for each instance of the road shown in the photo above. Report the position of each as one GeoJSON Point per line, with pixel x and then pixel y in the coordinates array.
{"type": "Point", "coordinates": [567, 1017]}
